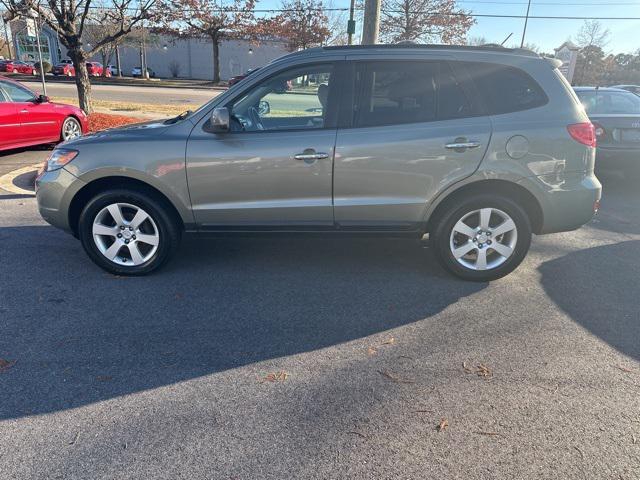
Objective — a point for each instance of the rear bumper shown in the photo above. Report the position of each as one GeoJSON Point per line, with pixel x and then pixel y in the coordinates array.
{"type": "Point", "coordinates": [568, 201]}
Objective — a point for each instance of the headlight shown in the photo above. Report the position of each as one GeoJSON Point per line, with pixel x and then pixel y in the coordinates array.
{"type": "Point", "coordinates": [59, 158]}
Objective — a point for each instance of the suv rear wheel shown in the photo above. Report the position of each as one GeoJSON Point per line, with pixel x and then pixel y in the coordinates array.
{"type": "Point", "coordinates": [127, 233]}
{"type": "Point", "coordinates": [483, 238]}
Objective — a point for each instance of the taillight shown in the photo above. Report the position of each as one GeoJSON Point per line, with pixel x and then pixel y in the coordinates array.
{"type": "Point", "coordinates": [599, 129]}
{"type": "Point", "coordinates": [584, 133]}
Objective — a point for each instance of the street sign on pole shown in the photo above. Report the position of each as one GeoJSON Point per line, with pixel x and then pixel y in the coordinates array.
{"type": "Point", "coordinates": [31, 27]}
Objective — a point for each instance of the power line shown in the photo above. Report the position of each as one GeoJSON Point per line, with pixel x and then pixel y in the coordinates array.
{"type": "Point", "coordinates": [412, 12]}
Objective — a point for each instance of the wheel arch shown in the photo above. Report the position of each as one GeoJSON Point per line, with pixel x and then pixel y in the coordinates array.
{"type": "Point", "coordinates": [102, 184]}
{"type": "Point", "coordinates": [509, 189]}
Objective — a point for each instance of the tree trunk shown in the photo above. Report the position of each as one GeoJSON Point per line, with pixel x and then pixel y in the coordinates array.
{"type": "Point", "coordinates": [216, 58]}
{"type": "Point", "coordinates": [83, 84]}
{"type": "Point", "coordinates": [118, 66]}
{"type": "Point", "coordinates": [105, 60]}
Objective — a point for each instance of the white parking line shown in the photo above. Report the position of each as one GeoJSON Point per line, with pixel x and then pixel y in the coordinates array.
{"type": "Point", "coordinates": [6, 180]}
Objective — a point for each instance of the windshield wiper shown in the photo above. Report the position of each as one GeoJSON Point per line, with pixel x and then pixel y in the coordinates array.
{"type": "Point", "coordinates": [182, 116]}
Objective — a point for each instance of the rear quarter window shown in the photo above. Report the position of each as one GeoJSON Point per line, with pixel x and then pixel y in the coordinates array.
{"type": "Point", "coordinates": [506, 89]}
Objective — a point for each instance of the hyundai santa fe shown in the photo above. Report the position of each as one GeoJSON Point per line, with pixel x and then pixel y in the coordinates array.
{"type": "Point", "coordinates": [476, 147]}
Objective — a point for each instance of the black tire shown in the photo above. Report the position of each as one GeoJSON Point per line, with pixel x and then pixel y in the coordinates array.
{"type": "Point", "coordinates": [440, 235]}
{"type": "Point", "coordinates": [168, 230]}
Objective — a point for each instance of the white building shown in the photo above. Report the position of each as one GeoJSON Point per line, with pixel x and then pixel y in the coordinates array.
{"type": "Point", "coordinates": [192, 57]}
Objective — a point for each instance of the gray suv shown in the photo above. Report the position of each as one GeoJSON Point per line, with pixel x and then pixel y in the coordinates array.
{"type": "Point", "coordinates": [476, 147]}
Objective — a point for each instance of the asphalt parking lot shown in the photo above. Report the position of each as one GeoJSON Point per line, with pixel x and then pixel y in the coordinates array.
{"type": "Point", "coordinates": [316, 358]}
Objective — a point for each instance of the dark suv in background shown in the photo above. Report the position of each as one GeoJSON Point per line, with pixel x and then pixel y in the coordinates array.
{"type": "Point", "coordinates": [477, 147]}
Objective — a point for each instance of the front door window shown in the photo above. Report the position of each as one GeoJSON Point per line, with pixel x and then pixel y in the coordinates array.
{"type": "Point", "coordinates": [293, 100]}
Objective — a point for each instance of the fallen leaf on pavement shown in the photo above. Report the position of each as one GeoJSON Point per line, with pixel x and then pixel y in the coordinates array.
{"type": "Point", "coordinates": [393, 378]}
{"type": "Point", "coordinates": [481, 370]}
{"type": "Point", "coordinates": [391, 341]}
{"type": "Point", "coordinates": [625, 369]}
{"type": "Point", "coordinates": [6, 364]}
{"type": "Point", "coordinates": [443, 425]}
{"type": "Point", "coordinates": [371, 351]}
{"type": "Point", "coordinates": [75, 438]}
{"type": "Point", "coordinates": [280, 376]}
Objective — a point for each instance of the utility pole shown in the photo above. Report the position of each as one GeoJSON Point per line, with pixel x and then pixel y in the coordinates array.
{"type": "Point", "coordinates": [44, 85]}
{"type": "Point", "coordinates": [371, 23]}
{"type": "Point", "coordinates": [351, 24]}
{"type": "Point", "coordinates": [526, 20]}
{"type": "Point", "coordinates": [6, 35]}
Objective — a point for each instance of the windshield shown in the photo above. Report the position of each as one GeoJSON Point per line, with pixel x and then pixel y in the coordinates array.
{"type": "Point", "coordinates": [609, 102]}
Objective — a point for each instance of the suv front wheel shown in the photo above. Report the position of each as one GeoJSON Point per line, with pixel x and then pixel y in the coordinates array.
{"type": "Point", "coordinates": [127, 233]}
{"type": "Point", "coordinates": [483, 238]}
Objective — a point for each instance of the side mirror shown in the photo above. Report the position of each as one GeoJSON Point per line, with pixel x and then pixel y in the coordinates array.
{"type": "Point", "coordinates": [220, 119]}
{"type": "Point", "coordinates": [42, 99]}
{"type": "Point", "coordinates": [264, 107]}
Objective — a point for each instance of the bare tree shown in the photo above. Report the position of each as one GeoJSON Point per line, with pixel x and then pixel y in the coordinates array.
{"type": "Point", "coordinates": [477, 41]}
{"type": "Point", "coordinates": [592, 34]}
{"type": "Point", "coordinates": [337, 24]}
{"type": "Point", "coordinates": [69, 19]}
{"type": "Point", "coordinates": [424, 20]}
{"type": "Point", "coordinates": [207, 18]}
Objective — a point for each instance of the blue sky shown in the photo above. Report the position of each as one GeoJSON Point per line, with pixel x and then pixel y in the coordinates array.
{"type": "Point", "coordinates": [547, 34]}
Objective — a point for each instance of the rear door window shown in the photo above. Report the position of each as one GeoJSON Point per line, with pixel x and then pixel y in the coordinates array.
{"type": "Point", "coordinates": [393, 93]}
{"type": "Point", "coordinates": [506, 89]}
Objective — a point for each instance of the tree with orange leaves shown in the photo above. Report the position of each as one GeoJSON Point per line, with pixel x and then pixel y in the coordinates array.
{"type": "Point", "coordinates": [424, 21]}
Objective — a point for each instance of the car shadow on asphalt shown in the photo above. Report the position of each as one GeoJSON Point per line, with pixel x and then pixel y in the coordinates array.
{"type": "Point", "coordinates": [81, 336]}
{"type": "Point", "coordinates": [599, 289]}
{"type": "Point", "coordinates": [620, 212]}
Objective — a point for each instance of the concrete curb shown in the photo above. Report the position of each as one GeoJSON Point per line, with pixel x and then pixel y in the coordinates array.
{"type": "Point", "coordinates": [6, 180]}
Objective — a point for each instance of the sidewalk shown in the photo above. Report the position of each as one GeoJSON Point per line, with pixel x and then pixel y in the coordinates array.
{"type": "Point", "coordinates": [127, 81]}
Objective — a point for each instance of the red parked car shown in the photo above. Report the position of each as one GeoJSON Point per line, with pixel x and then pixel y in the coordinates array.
{"type": "Point", "coordinates": [94, 69]}
{"type": "Point", "coordinates": [233, 80]}
{"type": "Point", "coordinates": [27, 118]}
{"type": "Point", "coordinates": [17, 66]}
{"type": "Point", "coordinates": [64, 68]}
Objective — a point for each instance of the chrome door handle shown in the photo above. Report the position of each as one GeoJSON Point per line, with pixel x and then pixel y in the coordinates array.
{"type": "Point", "coordinates": [462, 145]}
{"type": "Point", "coordinates": [311, 156]}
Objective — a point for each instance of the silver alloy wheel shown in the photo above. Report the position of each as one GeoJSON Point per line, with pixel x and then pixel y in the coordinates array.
{"type": "Point", "coordinates": [125, 234]}
{"type": "Point", "coordinates": [483, 239]}
{"type": "Point", "coordinates": [70, 129]}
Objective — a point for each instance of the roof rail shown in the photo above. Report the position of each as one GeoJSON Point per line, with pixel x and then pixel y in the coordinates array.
{"type": "Point", "coordinates": [434, 46]}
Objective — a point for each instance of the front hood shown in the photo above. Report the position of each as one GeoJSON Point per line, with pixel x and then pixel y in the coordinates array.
{"type": "Point", "coordinates": [131, 131]}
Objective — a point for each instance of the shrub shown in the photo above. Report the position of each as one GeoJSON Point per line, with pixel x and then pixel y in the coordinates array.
{"type": "Point", "coordinates": [174, 68]}
{"type": "Point", "coordinates": [47, 66]}
{"type": "Point", "coordinates": [102, 121]}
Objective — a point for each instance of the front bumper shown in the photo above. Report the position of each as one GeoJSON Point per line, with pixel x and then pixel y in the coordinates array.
{"type": "Point", "coordinates": [54, 192]}
{"type": "Point", "coordinates": [568, 200]}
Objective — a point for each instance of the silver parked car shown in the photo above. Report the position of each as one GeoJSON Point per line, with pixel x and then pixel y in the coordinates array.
{"type": "Point", "coordinates": [479, 147]}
